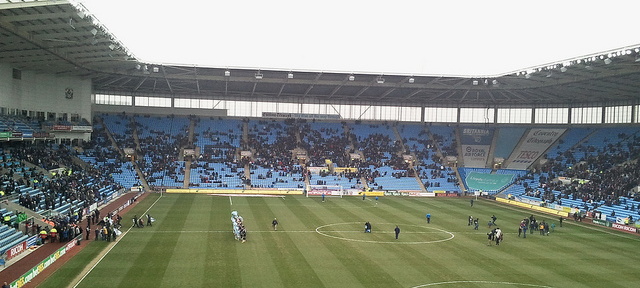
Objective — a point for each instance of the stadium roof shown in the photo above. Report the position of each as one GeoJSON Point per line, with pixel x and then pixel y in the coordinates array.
{"type": "Point", "coordinates": [62, 38]}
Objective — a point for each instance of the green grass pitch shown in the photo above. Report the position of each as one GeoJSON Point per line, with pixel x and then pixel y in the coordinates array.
{"type": "Point", "coordinates": [323, 245]}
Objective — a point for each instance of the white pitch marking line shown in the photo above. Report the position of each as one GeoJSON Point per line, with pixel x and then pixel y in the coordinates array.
{"type": "Point", "coordinates": [114, 245]}
{"type": "Point", "coordinates": [326, 233]}
{"type": "Point", "coordinates": [285, 231]}
{"type": "Point", "coordinates": [227, 231]}
{"type": "Point", "coordinates": [230, 202]}
{"type": "Point", "coordinates": [483, 282]}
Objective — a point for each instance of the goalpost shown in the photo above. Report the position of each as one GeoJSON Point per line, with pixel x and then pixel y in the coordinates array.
{"type": "Point", "coordinates": [327, 190]}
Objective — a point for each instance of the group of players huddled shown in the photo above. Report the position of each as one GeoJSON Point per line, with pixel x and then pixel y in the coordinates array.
{"type": "Point", "coordinates": [239, 231]}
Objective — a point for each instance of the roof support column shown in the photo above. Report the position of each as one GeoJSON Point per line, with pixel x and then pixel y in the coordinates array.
{"type": "Point", "coordinates": [633, 111]}
{"type": "Point", "coordinates": [533, 115]}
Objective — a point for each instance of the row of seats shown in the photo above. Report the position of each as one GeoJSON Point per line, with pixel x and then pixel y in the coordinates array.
{"type": "Point", "coordinates": [222, 132]}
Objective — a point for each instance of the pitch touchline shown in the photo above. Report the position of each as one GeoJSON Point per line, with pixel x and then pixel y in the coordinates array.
{"type": "Point", "coordinates": [113, 245]}
{"type": "Point", "coordinates": [334, 231]}
{"type": "Point", "coordinates": [298, 231]}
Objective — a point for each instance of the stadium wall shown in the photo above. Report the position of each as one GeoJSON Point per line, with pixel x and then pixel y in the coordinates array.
{"type": "Point", "coordinates": [100, 108]}
{"type": "Point", "coordinates": [44, 92]}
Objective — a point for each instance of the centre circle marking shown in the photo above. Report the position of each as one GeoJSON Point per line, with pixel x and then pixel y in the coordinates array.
{"type": "Point", "coordinates": [484, 282]}
{"type": "Point", "coordinates": [324, 233]}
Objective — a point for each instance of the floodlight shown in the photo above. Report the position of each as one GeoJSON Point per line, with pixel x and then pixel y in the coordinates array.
{"type": "Point", "coordinates": [94, 31]}
{"type": "Point", "coordinates": [563, 69]}
{"type": "Point", "coordinates": [290, 75]}
{"type": "Point", "coordinates": [351, 77]}
{"type": "Point", "coordinates": [607, 61]}
{"type": "Point", "coordinates": [259, 76]}
{"type": "Point", "coordinates": [380, 80]}
{"type": "Point", "coordinates": [227, 73]}
{"type": "Point", "coordinates": [411, 80]}
{"type": "Point", "coordinates": [156, 69]}
{"type": "Point", "coordinates": [475, 83]}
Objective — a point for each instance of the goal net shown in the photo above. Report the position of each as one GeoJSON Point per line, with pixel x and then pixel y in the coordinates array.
{"type": "Point", "coordinates": [327, 190]}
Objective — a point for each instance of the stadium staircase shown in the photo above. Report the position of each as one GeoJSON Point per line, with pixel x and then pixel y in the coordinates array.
{"type": "Point", "coordinates": [77, 161]}
{"type": "Point", "coordinates": [247, 167]}
{"type": "Point", "coordinates": [134, 134]}
{"type": "Point", "coordinates": [435, 143]}
{"type": "Point", "coordinates": [460, 180]}
{"type": "Point", "coordinates": [352, 147]}
{"type": "Point", "coordinates": [187, 174]}
{"type": "Point", "coordinates": [136, 140]}
{"type": "Point", "coordinates": [440, 155]}
{"type": "Point", "coordinates": [12, 206]}
{"type": "Point", "coordinates": [114, 144]}
{"type": "Point", "coordinates": [39, 169]}
{"type": "Point", "coordinates": [192, 129]}
{"type": "Point", "coordinates": [187, 162]}
{"type": "Point", "coordinates": [460, 160]}
{"type": "Point", "coordinates": [141, 177]}
{"type": "Point", "coordinates": [394, 128]}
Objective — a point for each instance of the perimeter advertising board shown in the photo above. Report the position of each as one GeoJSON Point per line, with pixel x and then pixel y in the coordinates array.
{"type": "Point", "coordinates": [16, 250]}
{"type": "Point", "coordinates": [624, 227]}
{"type": "Point", "coordinates": [488, 182]}
{"type": "Point", "coordinates": [300, 115]}
{"type": "Point", "coordinates": [536, 142]}
{"type": "Point", "coordinates": [33, 272]}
